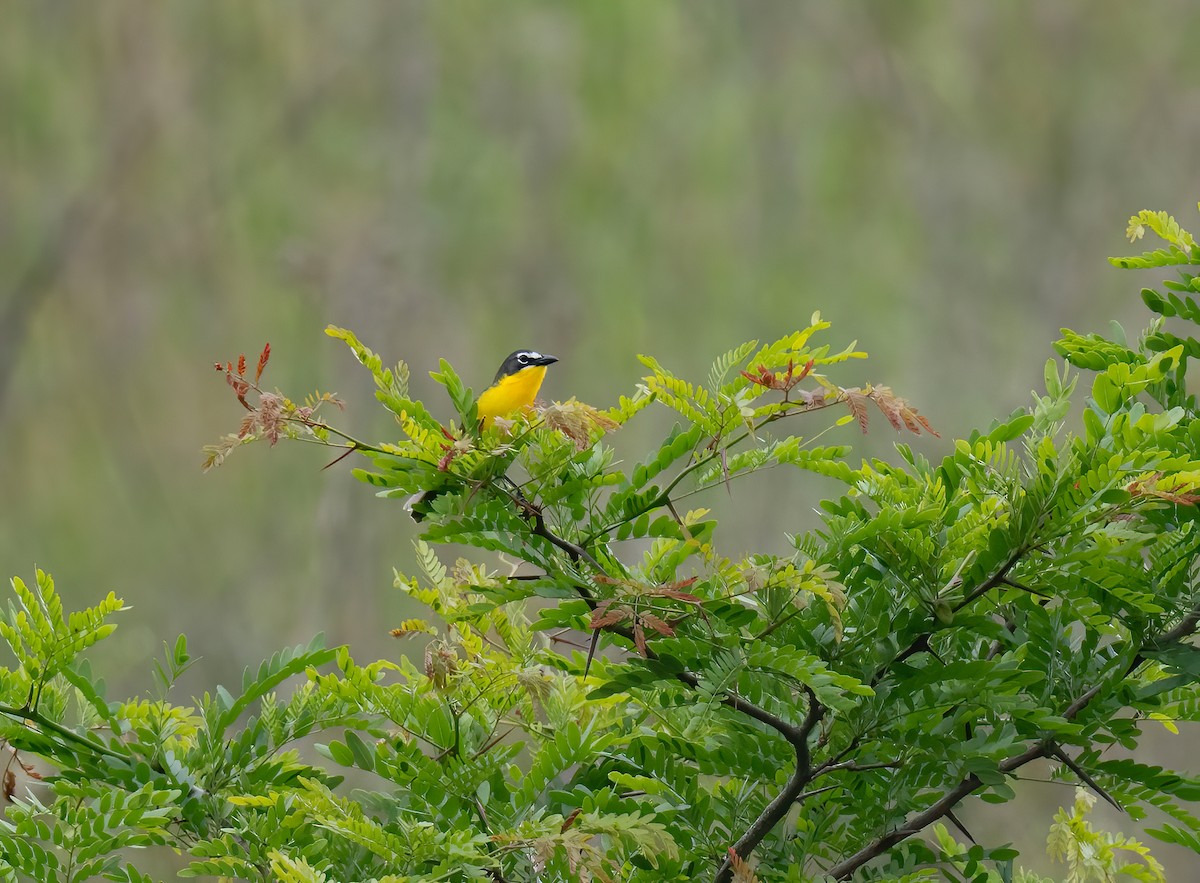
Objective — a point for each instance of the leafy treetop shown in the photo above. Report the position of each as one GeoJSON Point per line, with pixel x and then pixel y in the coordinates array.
{"type": "Point", "coordinates": [605, 695]}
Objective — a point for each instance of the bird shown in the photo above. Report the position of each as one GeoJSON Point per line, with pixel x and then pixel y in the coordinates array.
{"type": "Point", "coordinates": [513, 390]}
{"type": "Point", "coordinates": [516, 385]}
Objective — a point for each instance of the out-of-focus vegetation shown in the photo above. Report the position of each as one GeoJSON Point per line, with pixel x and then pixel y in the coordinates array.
{"type": "Point", "coordinates": [178, 181]}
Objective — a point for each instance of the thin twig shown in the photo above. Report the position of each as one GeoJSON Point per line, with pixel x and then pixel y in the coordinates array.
{"type": "Point", "coordinates": [921, 642]}
{"type": "Point", "coordinates": [854, 766]}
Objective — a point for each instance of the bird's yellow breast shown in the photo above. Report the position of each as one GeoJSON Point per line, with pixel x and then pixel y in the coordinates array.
{"type": "Point", "coordinates": [511, 393]}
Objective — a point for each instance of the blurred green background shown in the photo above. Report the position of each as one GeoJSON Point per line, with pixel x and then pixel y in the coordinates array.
{"type": "Point", "coordinates": [181, 181]}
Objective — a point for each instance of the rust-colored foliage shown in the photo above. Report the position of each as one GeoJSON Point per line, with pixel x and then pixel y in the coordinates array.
{"type": "Point", "coordinates": [742, 872]}
{"type": "Point", "coordinates": [441, 663]}
{"type": "Point", "coordinates": [236, 376]}
{"type": "Point", "coordinates": [666, 590]}
{"type": "Point", "coordinates": [270, 418]}
{"type": "Point", "coordinates": [783, 381]}
{"type": "Point", "coordinates": [577, 421]}
{"type": "Point", "coordinates": [615, 611]}
{"type": "Point", "coordinates": [858, 407]}
{"type": "Point", "coordinates": [1148, 487]}
{"type": "Point", "coordinates": [457, 445]}
{"type": "Point", "coordinates": [262, 362]}
{"type": "Point", "coordinates": [612, 612]}
{"type": "Point", "coordinates": [8, 780]}
{"type": "Point", "coordinates": [899, 413]}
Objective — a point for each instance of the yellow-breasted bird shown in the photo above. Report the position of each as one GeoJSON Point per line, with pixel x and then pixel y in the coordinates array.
{"type": "Point", "coordinates": [514, 389]}
{"type": "Point", "coordinates": [516, 385]}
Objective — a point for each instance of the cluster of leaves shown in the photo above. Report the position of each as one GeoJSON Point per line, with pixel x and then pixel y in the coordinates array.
{"type": "Point", "coordinates": [606, 696]}
{"type": "Point", "coordinates": [1090, 855]}
{"type": "Point", "coordinates": [273, 417]}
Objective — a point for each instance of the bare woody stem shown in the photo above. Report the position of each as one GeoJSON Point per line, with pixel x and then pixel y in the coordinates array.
{"type": "Point", "coordinates": [796, 735]}
{"type": "Point", "coordinates": [921, 642]}
{"type": "Point", "coordinates": [791, 792]}
{"type": "Point", "coordinates": [917, 822]}
{"type": "Point", "coordinates": [945, 804]}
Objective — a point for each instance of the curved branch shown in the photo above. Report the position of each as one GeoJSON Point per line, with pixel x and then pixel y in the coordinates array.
{"type": "Point", "coordinates": [774, 812]}
{"type": "Point", "coordinates": [915, 823]}
{"type": "Point", "coordinates": [794, 734]}
{"type": "Point", "coordinates": [797, 736]}
{"type": "Point", "coordinates": [574, 551]}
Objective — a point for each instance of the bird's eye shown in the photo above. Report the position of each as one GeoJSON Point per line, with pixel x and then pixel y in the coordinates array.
{"type": "Point", "coordinates": [523, 358]}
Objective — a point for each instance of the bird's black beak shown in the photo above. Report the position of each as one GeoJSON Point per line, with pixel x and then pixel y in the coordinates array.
{"type": "Point", "coordinates": [545, 360]}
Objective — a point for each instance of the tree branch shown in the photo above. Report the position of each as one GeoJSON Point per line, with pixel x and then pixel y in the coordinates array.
{"type": "Point", "coordinates": [789, 731]}
{"type": "Point", "coordinates": [574, 552]}
{"type": "Point", "coordinates": [915, 823]}
{"type": "Point", "coordinates": [797, 736]}
{"type": "Point", "coordinates": [1186, 627]}
{"type": "Point", "coordinates": [778, 808]}
{"type": "Point", "coordinates": [921, 642]}
{"type": "Point", "coordinates": [854, 766]}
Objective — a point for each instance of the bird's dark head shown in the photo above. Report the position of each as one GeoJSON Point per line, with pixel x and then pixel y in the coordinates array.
{"type": "Point", "coordinates": [522, 359]}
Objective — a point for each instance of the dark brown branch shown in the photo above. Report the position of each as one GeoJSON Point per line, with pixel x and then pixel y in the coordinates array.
{"type": "Point", "coordinates": [1000, 576]}
{"type": "Point", "coordinates": [1024, 588]}
{"type": "Point", "coordinates": [915, 823]}
{"type": "Point", "coordinates": [918, 821]}
{"type": "Point", "coordinates": [921, 642]}
{"type": "Point", "coordinates": [774, 812]}
{"type": "Point", "coordinates": [794, 734]}
{"type": "Point", "coordinates": [1186, 627]}
{"type": "Point", "coordinates": [856, 767]}
{"type": "Point", "coordinates": [797, 736]}
{"type": "Point", "coordinates": [1058, 754]}
{"type": "Point", "coordinates": [789, 731]}
{"type": "Point", "coordinates": [574, 552]}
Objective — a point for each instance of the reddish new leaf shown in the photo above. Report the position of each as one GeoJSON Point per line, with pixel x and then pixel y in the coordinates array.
{"type": "Point", "coordinates": [675, 590]}
{"type": "Point", "coordinates": [639, 638]}
{"type": "Point", "coordinates": [262, 362]}
{"type": "Point", "coordinates": [742, 872]}
{"type": "Point", "coordinates": [899, 412]}
{"type": "Point", "coordinates": [605, 615]}
{"type": "Point", "coordinates": [653, 622]}
{"type": "Point", "coordinates": [680, 584]}
{"type": "Point", "coordinates": [680, 596]}
{"type": "Point", "coordinates": [858, 407]}
{"type": "Point", "coordinates": [1148, 487]}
